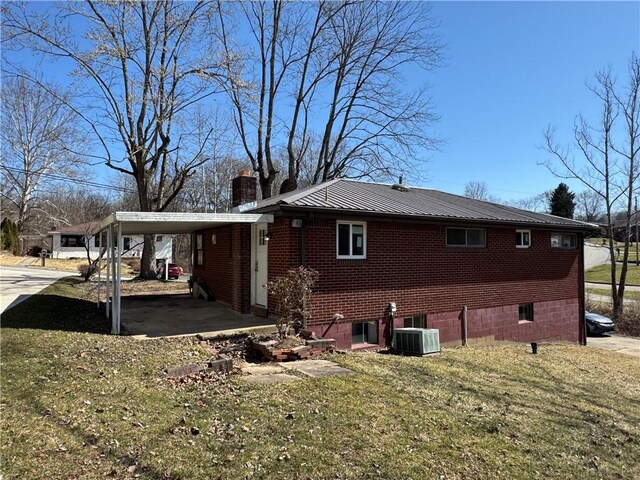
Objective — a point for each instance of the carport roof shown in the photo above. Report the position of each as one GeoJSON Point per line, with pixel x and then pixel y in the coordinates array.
{"type": "Point", "coordinates": [140, 223]}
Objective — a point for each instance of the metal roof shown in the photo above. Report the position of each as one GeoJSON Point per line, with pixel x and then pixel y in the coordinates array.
{"type": "Point", "coordinates": [381, 199]}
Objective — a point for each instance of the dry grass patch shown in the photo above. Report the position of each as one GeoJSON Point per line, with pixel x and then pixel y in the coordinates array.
{"type": "Point", "coordinates": [90, 405]}
{"type": "Point", "coordinates": [7, 259]}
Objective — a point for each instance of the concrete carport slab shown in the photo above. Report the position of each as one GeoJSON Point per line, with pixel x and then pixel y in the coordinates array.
{"type": "Point", "coordinates": [142, 223]}
{"type": "Point", "coordinates": [152, 316]}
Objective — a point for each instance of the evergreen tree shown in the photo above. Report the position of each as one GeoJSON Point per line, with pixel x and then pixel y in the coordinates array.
{"type": "Point", "coordinates": [562, 203]}
{"type": "Point", "coordinates": [9, 235]}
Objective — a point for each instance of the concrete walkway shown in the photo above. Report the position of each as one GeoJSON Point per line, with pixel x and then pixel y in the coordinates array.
{"type": "Point", "coordinates": [617, 343]}
{"type": "Point", "coordinates": [19, 283]}
{"type": "Point", "coordinates": [267, 373]}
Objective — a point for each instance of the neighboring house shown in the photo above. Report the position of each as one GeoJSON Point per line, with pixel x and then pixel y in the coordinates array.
{"type": "Point", "coordinates": [69, 242]}
{"type": "Point", "coordinates": [518, 273]}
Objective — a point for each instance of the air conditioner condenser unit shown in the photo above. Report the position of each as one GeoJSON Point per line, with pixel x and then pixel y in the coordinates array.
{"type": "Point", "coordinates": [416, 341]}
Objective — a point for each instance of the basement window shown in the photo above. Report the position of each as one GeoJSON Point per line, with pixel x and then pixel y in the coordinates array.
{"type": "Point", "coordinates": [563, 240]}
{"type": "Point", "coordinates": [525, 312]}
{"type": "Point", "coordinates": [466, 237]}
{"type": "Point", "coordinates": [364, 332]}
{"type": "Point", "coordinates": [351, 240]}
{"type": "Point", "coordinates": [523, 238]}
{"type": "Point", "coordinates": [417, 321]}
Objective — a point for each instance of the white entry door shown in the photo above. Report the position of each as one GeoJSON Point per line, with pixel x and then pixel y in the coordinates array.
{"type": "Point", "coordinates": [261, 245]}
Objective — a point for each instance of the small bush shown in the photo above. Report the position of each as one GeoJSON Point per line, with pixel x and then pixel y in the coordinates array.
{"type": "Point", "coordinates": [87, 271]}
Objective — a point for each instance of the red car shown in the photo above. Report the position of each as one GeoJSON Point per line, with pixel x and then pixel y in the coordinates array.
{"type": "Point", "coordinates": [174, 271]}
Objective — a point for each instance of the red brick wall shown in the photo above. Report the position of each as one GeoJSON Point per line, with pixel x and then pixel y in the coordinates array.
{"type": "Point", "coordinates": [226, 270]}
{"type": "Point", "coordinates": [411, 265]}
{"type": "Point", "coordinates": [553, 321]}
{"type": "Point", "coordinates": [216, 272]}
{"type": "Point", "coordinates": [241, 267]}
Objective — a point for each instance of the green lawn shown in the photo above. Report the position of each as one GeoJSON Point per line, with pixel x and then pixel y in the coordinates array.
{"type": "Point", "coordinates": [77, 403]}
{"type": "Point", "coordinates": [602, 274]}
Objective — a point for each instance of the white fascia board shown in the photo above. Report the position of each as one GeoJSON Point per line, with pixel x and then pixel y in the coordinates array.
{"type": "Point", "coordinates": [177, 222]}
{"type": "Point", "coordinates": [103, 224]}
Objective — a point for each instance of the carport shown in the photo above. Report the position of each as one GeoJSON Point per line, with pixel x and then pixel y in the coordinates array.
{"type": "Point", "coordinates": [115, 226]}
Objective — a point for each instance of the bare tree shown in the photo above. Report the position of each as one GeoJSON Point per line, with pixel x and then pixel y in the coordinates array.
{"type": "Point", "coordinates": [608, 160]}
{"type": "Point", "coordinates": [477, 190]}
{"type": "Point", "coordinates": [39, 146]}
{"type": "Point", "coordinates": [535, 203]}
{"type": "Point", "coordinates": [589, 206]}
{"type": "Point", "coordinates": [322, 85]}
{"type": "Point", "coordinates": [142, 66]}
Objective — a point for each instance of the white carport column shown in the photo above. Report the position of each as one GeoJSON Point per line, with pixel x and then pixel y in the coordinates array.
{"type": "Point", "coordinates": [117, 289]}
{"type": "Point", "coordinates": [107, 301]}
{"type": "Point", "coordinates": [99, 267]}
{"type": "Point", "coordinates": [114, 286]}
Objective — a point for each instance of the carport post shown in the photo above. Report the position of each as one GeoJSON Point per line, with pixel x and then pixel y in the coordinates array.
{"type": "Point", "coordinates": [107, 293]}
{"type": "Point", "coordinates": [114, 287]}
{"type": "Point", "coordinates": [119, 275]}
{"type": "Point", "coordinates": [99, 268]}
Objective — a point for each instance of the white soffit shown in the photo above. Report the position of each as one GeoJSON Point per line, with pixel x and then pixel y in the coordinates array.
{"type": "Point", "coordinates": [139, 223]}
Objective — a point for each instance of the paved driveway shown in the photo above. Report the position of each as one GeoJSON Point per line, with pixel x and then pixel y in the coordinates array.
{"type": "Point", "coordinates": [19, 283]}
{"type": "Point", "coordinates": [627, 345]}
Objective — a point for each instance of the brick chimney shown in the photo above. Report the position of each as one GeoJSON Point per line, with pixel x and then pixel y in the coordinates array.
{"type": "Point", "coordinates": [243, 188]}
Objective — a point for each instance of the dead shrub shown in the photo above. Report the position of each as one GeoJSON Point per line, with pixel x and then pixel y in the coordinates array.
{"type": "Point", "coordinates": [134, 264]}
{"type": "Point", "coordinates": [292, 293]}
{"type": "Point", "coordinates": [629, 324]}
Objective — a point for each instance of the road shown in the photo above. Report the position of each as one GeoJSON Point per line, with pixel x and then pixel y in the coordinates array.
{"type": "Point", "coordinates": [19, 283]}
{"type": "Point", "coordinates": [595, 255]}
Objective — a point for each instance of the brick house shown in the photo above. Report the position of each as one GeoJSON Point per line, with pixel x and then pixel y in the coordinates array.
{"type": "Point", "coordinates": [518, 273]}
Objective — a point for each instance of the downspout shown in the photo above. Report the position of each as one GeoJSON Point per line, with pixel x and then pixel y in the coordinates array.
{"type": "Point", "coordinates": [303, 246]}
{"type": "Point", "coordinates": [464, 326]}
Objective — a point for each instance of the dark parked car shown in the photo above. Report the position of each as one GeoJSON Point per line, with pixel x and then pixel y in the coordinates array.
{"type": "Point", "coordinates": [174, 271]}
{"type": "Point", "coordinates": [598, 324]}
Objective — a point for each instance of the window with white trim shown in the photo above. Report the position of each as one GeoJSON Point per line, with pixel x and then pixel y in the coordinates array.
{"type": "Point", "coordinates": [351, 239]}
{"type": "Point", "coordinates": [563, 240]}
{"type": "Point", "coordinates": [466, 237]}
{"type": "Point", "coordinates": [523, 238]}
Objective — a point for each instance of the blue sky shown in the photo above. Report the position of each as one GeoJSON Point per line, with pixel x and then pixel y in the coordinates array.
{"type": "Point", "coordinates": [512, 69]}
